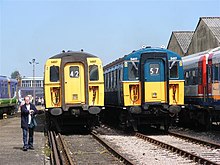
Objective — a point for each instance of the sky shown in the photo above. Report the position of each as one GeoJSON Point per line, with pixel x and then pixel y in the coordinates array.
{"type": "Point", "coordinates": [109, 29]}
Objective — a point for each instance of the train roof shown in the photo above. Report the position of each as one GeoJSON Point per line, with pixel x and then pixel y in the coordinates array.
{"type": "Point", "coordinates": [73, 54]}
{"type": "Point", "coordinates": [5, 78]}
{"type": "Point", "coordinates": [193, 58]}
{"type": "Point", "coordinates": [137, 53]}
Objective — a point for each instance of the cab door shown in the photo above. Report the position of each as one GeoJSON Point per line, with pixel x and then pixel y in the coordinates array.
{"type": "Point", "coordinates": [74, 84]}
{"type": "Point", "coordinates": [155, 86]}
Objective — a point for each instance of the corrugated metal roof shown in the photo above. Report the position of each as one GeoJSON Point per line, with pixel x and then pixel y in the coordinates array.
{"type": "Point", "coordinates": [214, 25]}
{"type": "Point", "coordinates": [183, 38]}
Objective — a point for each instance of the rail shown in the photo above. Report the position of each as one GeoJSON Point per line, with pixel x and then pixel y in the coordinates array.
{"type": "Point", "coordinates": [113, 151]}
{"type": "Point", "coordinates": [59, 151]}
{"type": "Point", "coordinates": [181, 152]}
{"type": "Point", "coordinates": [199, 141]}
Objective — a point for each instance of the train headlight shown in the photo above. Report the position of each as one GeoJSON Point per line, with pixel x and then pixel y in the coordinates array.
{"type": "Point", "coordinates": [56, 111]}
{"type": "Point", "coordinates": [174, 109]}
{"type": "Point", "coordinates": [154, 95]}
{"type": "Point", "coordinates": [165, 106]}
{"type": "Point", "coordinates": [145, 106]}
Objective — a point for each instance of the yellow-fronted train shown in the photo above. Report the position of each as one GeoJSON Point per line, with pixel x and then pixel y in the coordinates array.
{"type": "Point", "coordinates": [74, 90]}
{"type": "Point", "coordinates": [145, 87]}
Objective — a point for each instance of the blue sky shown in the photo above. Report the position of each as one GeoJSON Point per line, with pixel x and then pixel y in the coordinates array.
{"type": "Point", "coordinates": [109, 29]}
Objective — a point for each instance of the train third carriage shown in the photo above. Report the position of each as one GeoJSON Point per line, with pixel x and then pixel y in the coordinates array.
{"type": "Point", "coordinates": [202, 88]}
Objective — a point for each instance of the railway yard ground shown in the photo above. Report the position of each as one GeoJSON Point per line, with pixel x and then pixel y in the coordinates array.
{"type": "Point", "coordinates": [117, 147]}
{"type": "Point", "coordinates": [11, 152]}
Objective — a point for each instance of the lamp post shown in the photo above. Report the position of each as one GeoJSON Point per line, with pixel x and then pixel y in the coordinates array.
{"type": "Point", "coordinates": [33, 62]}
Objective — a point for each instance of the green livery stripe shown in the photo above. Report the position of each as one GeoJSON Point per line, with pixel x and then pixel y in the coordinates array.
{"type": "Point", "coordinates": [8, 102]}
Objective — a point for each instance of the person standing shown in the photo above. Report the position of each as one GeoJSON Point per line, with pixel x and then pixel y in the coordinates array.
{"type": "Point", "coordinates": [28, 110]}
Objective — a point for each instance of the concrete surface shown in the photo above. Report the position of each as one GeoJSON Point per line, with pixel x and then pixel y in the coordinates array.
{"type": "Point", "coordinates": [11, 152]}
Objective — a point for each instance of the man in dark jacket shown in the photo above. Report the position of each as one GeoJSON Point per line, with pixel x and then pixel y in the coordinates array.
{"type": "Point", "coordinates": [28, 111]}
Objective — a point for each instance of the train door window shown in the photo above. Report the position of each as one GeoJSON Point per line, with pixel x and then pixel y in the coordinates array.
{"type": "Point", "coordinates": [6, 89]}
{"type": "Point", "coordinates": [93, 73]}
{"type": "Point", "coordinates": [112, 79]}
{"type": "Point", "coordinates": [105, 80]}
{"type": "Point", "coordinates": [194, 77]}
{"type": "Point", "coordinates": [121, 74]}
{"type": "Point", "coordinates": [133, 70]}
{"type": "Point", "coordinates": [3, 89]}
{"type": "Point", "coordinates": [154, 69]}
{"type": "Point", "coordinates": [200, 75]}
{"type": "Point", "coordinates": [186, 77]}
{"type": "Point", "coordinates": [173, 69]}
{"type": "Point", "coordinates": [113, 74]}
{"type": "Point", "coordinates": [209, 74]}
{"type": "Point", "coordinates": [12, 90]}
{"type": "Point", "coordinates": [54, 73]}
{"type": "Point", "coordinates": [109, 80]}
{"type": "Point", "coordinates": [216, 72]}
{"type": "Point", "coordinates": [116, 78]}
{"type": "Point", "coordinates": [219, 72]}
{"type": "Point", "coordinates": [74, 72]}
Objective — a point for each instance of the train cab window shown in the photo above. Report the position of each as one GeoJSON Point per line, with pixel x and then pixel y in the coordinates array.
{"type": "Point", "coordinates": [173, 69]}
{"type": "Point", "coordinates": [133, 70]}
{"type": "Point", "coordinates": [54, 73]}
{"type": "Point", "coordinates": [93, 73]}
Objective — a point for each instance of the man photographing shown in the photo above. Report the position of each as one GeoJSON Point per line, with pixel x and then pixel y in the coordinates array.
{"type": "Point", "coordinates": [28, 123]}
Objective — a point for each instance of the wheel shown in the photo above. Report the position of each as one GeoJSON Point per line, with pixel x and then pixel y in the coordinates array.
{"type": "Point", "coordinates": [208, 122]}
{"type": "Point", "coordinates": [158, 126]}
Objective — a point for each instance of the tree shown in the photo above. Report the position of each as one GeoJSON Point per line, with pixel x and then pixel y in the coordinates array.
{"type": "Point", "coordinates": [16, 75]}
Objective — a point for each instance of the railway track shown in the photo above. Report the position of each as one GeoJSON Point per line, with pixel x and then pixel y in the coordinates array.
{"type": "Point", "coordinates": [195, 140]}
{"type": "Point", "coordinates": [60, 153]}
{"type": "Point", "coordinates": [83, 149]}
{"type": "Point", "coordinates": [194, 149]}
{"type": "Point", "coordinates": [112, 150]}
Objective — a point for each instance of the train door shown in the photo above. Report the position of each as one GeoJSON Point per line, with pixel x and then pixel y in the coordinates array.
{"type": "Point", "coordinates": [155, 86]}
{"type": "Point", "coordinates": [203, 85]}
{"type": "Point", "coordinates": [74, 84]}
{"type": "Point", "coordinates": [210, 76]}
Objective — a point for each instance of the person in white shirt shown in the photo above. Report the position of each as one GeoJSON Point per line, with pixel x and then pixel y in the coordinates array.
{"type": "Point", "coordinates": [28, 110]}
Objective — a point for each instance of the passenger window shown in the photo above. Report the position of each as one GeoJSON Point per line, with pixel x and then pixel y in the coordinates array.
{"type": "Point", "coordinates": [154, 69]}
{"type": "Point", "coordinates": [74, 72]}
{"type": "Point", "coordinates": [133, 71]}
{"type": "Point", "coordinates": [173, 69]}
{"type": "Point", "coordinates": [93, 73]}
{"type": "Point", "coordinates": [54, 73]}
